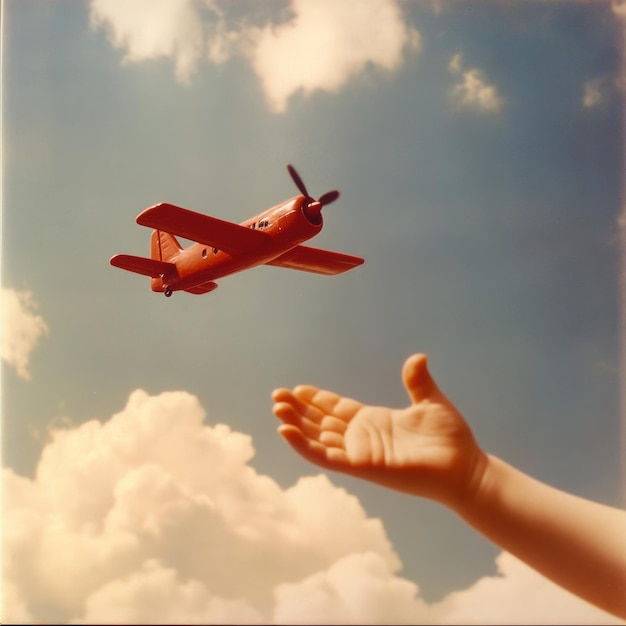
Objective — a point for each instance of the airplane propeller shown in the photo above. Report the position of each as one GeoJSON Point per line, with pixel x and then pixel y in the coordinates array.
{"type": "Point", "coordinates": [312, 207]}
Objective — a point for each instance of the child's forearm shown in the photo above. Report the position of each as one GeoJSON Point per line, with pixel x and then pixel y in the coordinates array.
{"type": "Point", "coordinates": [578, 544]}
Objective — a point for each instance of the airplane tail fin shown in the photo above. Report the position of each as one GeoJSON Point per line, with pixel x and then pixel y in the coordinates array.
{"type": "Point", "coordinates": [163, 246]}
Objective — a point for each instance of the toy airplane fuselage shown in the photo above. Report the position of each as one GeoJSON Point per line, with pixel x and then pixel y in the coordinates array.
{"type": "Point", "coordinates": [272, 238]}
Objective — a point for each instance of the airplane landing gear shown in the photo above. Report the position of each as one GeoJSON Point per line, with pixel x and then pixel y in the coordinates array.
{"type": "Point", "coordinates": [167, 292]}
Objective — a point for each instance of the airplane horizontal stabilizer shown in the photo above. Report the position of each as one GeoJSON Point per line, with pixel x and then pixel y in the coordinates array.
{"type": "Point", "coordinates": [141, 265]}
{"type": "Point", "coordinates": [315, 260]}
{"type": "Point", "coordinates": [211, 231]}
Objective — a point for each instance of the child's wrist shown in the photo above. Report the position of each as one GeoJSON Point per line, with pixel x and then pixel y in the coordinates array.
{"type": "Point", "coordinates": [478, 481]}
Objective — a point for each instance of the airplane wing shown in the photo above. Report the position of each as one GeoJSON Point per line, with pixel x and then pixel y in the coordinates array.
{"type": "Point", "coordinates": [141, 265]}
{"type": "Point", "coordinates": [316, 260]}
{"type": "Point", "coordinates": [213, 232]}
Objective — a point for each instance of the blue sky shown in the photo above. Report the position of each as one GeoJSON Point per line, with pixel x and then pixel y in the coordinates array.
{"type": "Point", "coordinates": [478, 149]}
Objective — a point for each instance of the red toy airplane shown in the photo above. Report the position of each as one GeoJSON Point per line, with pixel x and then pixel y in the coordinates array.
{"type": "Point", "coordinates": [223, 248]}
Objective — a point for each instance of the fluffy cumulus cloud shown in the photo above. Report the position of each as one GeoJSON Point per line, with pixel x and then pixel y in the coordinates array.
{"type": "Point", "coordinates": [472, 90]}
{"type": "Point", "coordinates": [517, 595]}
{"type": "Point", "coordinates": [154, 516]}
{"type": "Point", "coordinates": [326, 43]}
{"type": "Point", "coordinates": [354, 590]}
{"type": "Point", "coordinates": [149, 30]}
{"type": "Point", "coordinates": [313, 45]}
{"type": "Point", "coordinates": [22, 329]}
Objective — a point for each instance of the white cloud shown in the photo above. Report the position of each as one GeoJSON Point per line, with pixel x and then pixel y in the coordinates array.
{"type": "Point", "coordinates": [154, 516]}
{"type": "Point", "coordinates": [327, 43]}
{"type": "Point", "coordinates": [472, 89]}
{"type": "Point", "coordinates": [21, 329]}
{"type": "Point", "coordinates": [323, 44]}
{"type": "Point", "coordinates": [157, 594]}
{"type": "Point", "coordinates": [355, 589]}
{"type": "Point", "coordinates": [150, 30]}
{"type": "Point", "coordinates": [154, 504]}
{"type": "Point", "coordinates": [517, 595]}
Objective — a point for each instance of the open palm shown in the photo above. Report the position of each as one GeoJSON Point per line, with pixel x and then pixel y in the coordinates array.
{"type": "Point", "coordinates": [425, 449]}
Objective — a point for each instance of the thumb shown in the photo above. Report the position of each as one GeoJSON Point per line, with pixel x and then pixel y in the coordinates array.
{"type": "Point", "coordinates": [417, 379]}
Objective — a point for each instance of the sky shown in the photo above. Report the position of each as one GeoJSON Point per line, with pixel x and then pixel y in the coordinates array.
{"type": "Point", "coordinates": [478, 148]}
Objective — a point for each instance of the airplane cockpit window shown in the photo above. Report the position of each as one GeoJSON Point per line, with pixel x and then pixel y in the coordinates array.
{"type": "Point", "coordinates": [204, 253]}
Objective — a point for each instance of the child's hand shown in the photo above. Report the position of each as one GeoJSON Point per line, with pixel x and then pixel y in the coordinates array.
{"type": "Point", "coordinates": [426, 449]}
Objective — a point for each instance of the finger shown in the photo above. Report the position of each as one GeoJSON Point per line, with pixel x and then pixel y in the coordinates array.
{"type": "Point", "coordinates": [314, 429]}
{"type": "Point", "coordinates": [417, 379]}
{"type": "Point", "coordinates": [304, 408]}
{"type": "Point", "coordinates": [330, 423]}
{"type": "Point", "coordinates": [331, 439]}
{"type": "Point", "coordinates": [290, 415]}
{"type": "Point", "coordinates": [302, 392]}
{"type": "Point", "coordinates": [313, 451]}
{"type": "Point", "coordinates": [286, 412]}
{"type": "Point", "coordinates": [281, 394]}
{"type": "Point", "coordinates": [305, 391]}
{"type": "Point", "coordinates": [328, 402]}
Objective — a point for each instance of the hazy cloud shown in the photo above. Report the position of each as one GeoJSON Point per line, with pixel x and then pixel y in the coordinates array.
{"type": "Point", "coordinates": [619, 8]}
{"type": "Point", "coordinates": [593, 93]}
{"type": "Point", "coordinates": [150, 30]}
{"type": "Point", "coordinates": [455, 63]}
{"type": "Point", "coordinates": [21, 329]}
{"type": "Point", "coordinates": [472, 89]}
{"type": "Point", "coordinates": [320, 46]}
{"type": "Point", "coordinates": [153, 516]}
